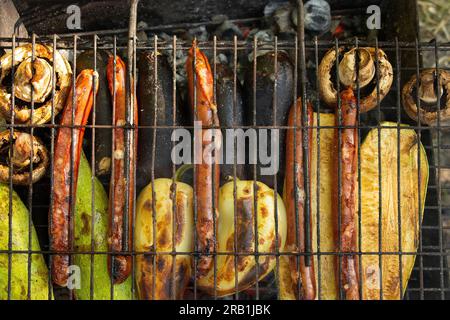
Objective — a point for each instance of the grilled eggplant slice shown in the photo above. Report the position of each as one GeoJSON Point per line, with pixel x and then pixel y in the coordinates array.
{"type": "Point", "coordinates": [39, 281]}
{"type": "Point", "coordinates": [231, 113]}
{"type": "Point", "coordinates": [103, 111]}
{"type": "Point", "coordinates": [158, 271]}
{"type": "Point", "coordinates": [267, 105]}
{"type": "Point", "coordinates": [86, 227]}
{"type": "Point", "coordinates": [267, 238]}
{"type": "Point", "coordinates": [155, 109]}
{"type": "Point", "coordinates": [412, 180]}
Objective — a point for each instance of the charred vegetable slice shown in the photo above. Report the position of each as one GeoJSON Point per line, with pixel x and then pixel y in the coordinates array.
{"type": "Point", "coordinates": [245, 234]}
{"type": "Point", "coordinates": [231, 113]}
{"type": "Point", "coordinates": [408, 179]}
{"type": "Point", "coordinates": [98, 277]}
{"type": "Point", "coordinates": [155, 109]}
{"type": "Point", "coordinates": [265, 101]}
{"type": "Point", "coordinates": [19, 261]}
{"type": "Point", "coordinates": [156, 271]}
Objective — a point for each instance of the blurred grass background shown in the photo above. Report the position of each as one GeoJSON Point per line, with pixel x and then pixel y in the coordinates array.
{"type": "Point", "coordinates": [434, 19]}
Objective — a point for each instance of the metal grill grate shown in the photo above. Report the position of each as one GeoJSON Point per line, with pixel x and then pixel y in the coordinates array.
{"type": "Point", "coordinates": [430, 276]}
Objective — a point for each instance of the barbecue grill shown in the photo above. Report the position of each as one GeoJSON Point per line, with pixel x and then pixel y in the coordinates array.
{"type": "Point", "coordinates": [398, 39]}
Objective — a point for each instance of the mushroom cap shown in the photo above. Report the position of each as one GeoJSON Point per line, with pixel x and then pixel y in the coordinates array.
{"type": "Point", "coordinates": [385, 77]}
{"type": "Point", "coordinates": [427, 94]}
{"type": "Point", "coordinates": [40, 80]}
{"type": "Point", "coordinates": [22, 149]}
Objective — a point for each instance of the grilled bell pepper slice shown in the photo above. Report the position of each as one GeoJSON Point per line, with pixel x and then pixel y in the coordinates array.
{"type": "Point", "coordinates": [158, 276]}
{"type": "Point", "coordinates": [91, 234]}
{"type": "Point", "coordinates": [39, 284]}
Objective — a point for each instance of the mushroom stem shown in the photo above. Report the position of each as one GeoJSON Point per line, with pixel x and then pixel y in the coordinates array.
{"type": "Point", "coordinates": [22, 151]}
{"type": "Point", "coordinates": [428, 88]}
{"type": "Point", "coordinates": [348, 68]}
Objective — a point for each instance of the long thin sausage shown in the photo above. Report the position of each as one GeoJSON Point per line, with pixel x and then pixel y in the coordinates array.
{"type": "Point", "coordinates": [63, 176]}
{"type": "Point", "coordinates": [120, 265]}
{"type": "Point", "coordinates": [295, 174]}
{"type": "Point", "coordinates": [348, 228]}
{"type": "Point", "coordinates": [206, 185]}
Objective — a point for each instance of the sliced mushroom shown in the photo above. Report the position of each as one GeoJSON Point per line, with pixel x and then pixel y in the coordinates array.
{"type": "Point", "coordinates": [34, 79]}
{"type": "Point", "coordinates": [348, 75]}
{"type": "Point", "coordinates": [25, 149]}
{"type": "Point", "coordinates": [428, 95]}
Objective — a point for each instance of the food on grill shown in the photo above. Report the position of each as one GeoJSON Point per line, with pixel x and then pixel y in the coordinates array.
{"type": "Point", "coordinates": [102, 112]}
{"type": "Point", "coordinates": [272, 107]}
{"type": "Point", "coordinates": [428, 112]}
{"type": "Point", "coordinates": [323, 218]}
{"type": "Point", "coordinates": [207, 172]}
{"type": "Point", "coordinates": [122, 184]}
{"type": "Point", "coordinates": [65, 175]}
{"type": "Point", "coordinates": [156, 108]}
{"type": "Point", "coordinates": [324, 199]}
{"type": "Point", "coordinates": [33, 81]}
{"type": "Point", "coordinates": [90, 235]}
{"type": "Point", "coordinates": [157, 276]}
{"type": "Point", "coordinates": [25, 149]}
{"type": "Point", "coordinates": [410, 183]}
{"type": "Point", "coordinates": [20, 233]}
{"type": "Point", "coordinates": [294, 198]}
{"type": "Point", "coordinates": [362, 62]}
{"type": "Point", "coordinates": [242, 239]}
{"type": "Point", "coordinates": [230, 109]}
{"type": "Point", "coordinates": [348, 157]}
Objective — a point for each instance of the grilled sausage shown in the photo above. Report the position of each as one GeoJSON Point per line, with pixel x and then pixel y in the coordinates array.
{"type": "Point", "coordinates": [120, 188]}
{"type": "Point", "coordinates": [103, 111]}
{"type": "Point", "coordinates": [348, 227]}
{"type": "Point", "coordinates": [295, 175]}
{"type": "Point", "coordinates": [64, 176]}
{"type": "Point", "coordinates": [207, 186]}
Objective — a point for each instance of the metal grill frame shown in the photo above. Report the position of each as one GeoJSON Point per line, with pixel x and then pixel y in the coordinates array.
{"type": "Point", "coordinates": [301, 47]}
